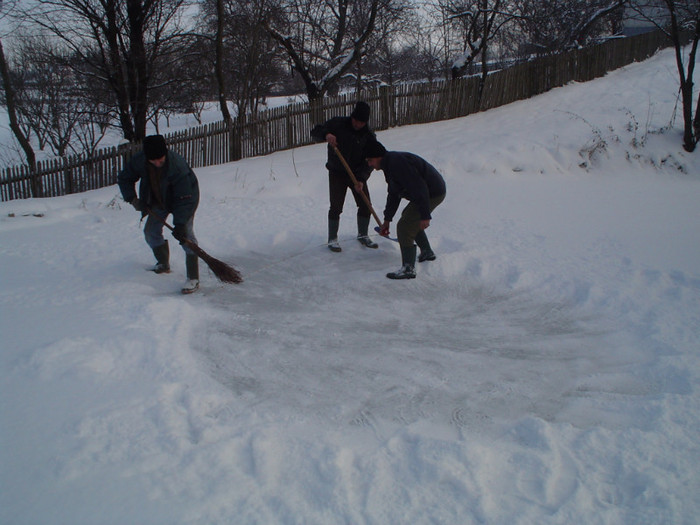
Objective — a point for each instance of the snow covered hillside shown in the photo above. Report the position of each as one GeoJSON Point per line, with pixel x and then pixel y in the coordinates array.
{"type": "Point", "coordinates": [544, 369]}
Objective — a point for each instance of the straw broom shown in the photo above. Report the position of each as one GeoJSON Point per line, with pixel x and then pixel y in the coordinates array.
{"type": "Point", "coordinates": [223, 271]}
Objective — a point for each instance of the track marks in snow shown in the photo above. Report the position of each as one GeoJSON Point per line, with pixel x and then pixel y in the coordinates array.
{"type": "Point", "coordinates": [464, 345]}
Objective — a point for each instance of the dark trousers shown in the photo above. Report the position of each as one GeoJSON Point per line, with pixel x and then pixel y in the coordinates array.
{"type": "Point", "coordinates": [338, 184]}
{"type": "Point", "coordinates": [408, 226]}
{"type": "Point", "coordinates": [153, 231]}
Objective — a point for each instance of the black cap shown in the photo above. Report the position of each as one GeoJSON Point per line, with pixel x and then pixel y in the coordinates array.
{"type": "Point", "coordinates": [374, 149]}
{"type": "Point", "coordinates": [154, 147]}
{"type": "Point", "coordinates": [361, 112]}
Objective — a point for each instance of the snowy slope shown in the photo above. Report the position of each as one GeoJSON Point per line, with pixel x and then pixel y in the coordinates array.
{"type": "Point", "coordinates": [544, 369]}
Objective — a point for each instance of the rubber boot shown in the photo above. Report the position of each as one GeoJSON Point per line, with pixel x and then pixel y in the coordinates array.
{"type": "Point", "coordinates": [162, 254]}
{"type": "Point", "coordinates": [408, 268]}
{"type": "Point", "coordinates": [426, 252]}
{"type": "Point", "coordinates": [362, 236]}
{"type": "Point", "coordinates": [333, 225]}
{"type": "Point", "coordinates": [192, 265]}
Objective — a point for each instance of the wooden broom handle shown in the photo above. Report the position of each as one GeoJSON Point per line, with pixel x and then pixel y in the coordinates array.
{"type": "Point", "coordinates": [354, 181]}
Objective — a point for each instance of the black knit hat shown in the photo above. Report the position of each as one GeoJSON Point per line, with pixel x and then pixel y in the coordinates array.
{"type": "Point", "coordinates": [154, 147]}
{"type": "Point", "coordinates": [374, 149]}
{"type": "Point", "coordinates": [361, 112]}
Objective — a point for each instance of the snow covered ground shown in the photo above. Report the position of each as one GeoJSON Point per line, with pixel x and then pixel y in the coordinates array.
{"type": "Point", "coordinates": [544, 369]}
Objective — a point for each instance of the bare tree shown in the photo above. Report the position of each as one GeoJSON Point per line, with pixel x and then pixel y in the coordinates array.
{"type": "Point", "coordinates": [385, 55]}
{"type": "Point", "coordinates": [120, 43]}
{"type": "Point", "coordinates": [320, 39]}
{"type": "Point", "coordinates": [254, 56]}
{"type": "Point", "coordinates": [551, 26]}
{"type": "Point", "coordinates": [185, 84]}
{"type": "Point", "coordinates": [12, 111]}
{"type": "Point", "coordinates": [442, 37]}
{"type": "Point", "coordinates": [52, 102]}
{"type": "Point", "coordinates": [219, 62]}
{"type": "Point", "coordinates": [46, 95]}
{"type": "Point", "coordinates": [9, 92]}
{"type": "Point", "coordinates": [90, 128]}
{"type": "Point", "coordinates": [674, 18]}
{"type": "Point", "coordinates": [247, 60]}
{"type": "Point", "coordinates": [478, 23]}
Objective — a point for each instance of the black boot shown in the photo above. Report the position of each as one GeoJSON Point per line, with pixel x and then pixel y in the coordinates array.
{"type": "Point", "coordinates": [333, 225]}
{"type": "Point", "coordinates": [192, 265]}
{"type": "Point", "coordinates": [408, 268]}
{"type": "Point", "coordinates": [162, 254]}
{"type": "Point", "coordinates": [362, 236]}
{"type": "Point", "coordinates": [426, 252]}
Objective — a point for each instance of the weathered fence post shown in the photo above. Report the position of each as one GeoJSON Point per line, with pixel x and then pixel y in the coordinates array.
{"type": "Point", "coordinates": [35, 182]}
{"type": "Point", "coordinates": [386, 106]}
{"type": "Point", "coordinates": [67, 176]}
{"type": "Point", "coordinates": [316, 115]}
{"type": "Point", "coordinates": [289, 126]}
{"type": "Point", "coordinates": [237, 138]}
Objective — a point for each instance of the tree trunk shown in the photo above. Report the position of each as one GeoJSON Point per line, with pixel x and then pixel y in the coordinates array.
{"type": "Point", "coordinates": [696, 122]}
{"type": "Point", "coordinates": [116, 73]}
{"type": "Point", "coordinates": [12, 112]}
{"type": "Point", "coordinates": [296, 51]}
{"type": "Point", "coordinates": [137, 64]}
{"type": "Point", "coordinates": [484, 51]}
{"type": "Point", "coordinates": [219, 66]}
{"type": "Point", "coordinates": [686, 82]}
{"type": "Point", "coordinates": [691, 70]}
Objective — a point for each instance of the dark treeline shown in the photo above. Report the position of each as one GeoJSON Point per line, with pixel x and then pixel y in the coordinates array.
{"type": "Point", "coordinates": [72, 69]}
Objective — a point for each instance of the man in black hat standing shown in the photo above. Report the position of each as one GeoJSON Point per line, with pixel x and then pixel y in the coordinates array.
{"type": "Point", "coordinates": [167, 185]}
{"type": "Point", "coordinates": [349, 135]}
{"type": "Point", "coordinates": [410, 177]}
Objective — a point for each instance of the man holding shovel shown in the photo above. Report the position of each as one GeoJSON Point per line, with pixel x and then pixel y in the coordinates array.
{"type": "Point", "coordinates": [167, 185]}
{"type": "Point", "coordinates": [346, 138]}
{"type": "Point", "coordinates": [410, 177]}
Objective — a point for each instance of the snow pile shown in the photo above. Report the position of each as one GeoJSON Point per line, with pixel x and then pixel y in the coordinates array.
{"type": "Point", "coordinates": [544, 369]}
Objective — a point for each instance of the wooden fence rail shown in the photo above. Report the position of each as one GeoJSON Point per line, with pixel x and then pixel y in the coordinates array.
{"type": "Point", "coordinates": [289, 126]}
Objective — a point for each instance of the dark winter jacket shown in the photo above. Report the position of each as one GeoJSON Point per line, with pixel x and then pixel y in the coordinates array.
{"type": "Point", "coordinates": [410, 177]}
{"type": "Point", "coordinates": [351, 144]}
{"type": "Point", "coordinates": [179, 188]}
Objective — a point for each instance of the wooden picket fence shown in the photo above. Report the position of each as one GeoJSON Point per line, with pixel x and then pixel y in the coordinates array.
{"type": "Point", "coordinates": [289, 126]}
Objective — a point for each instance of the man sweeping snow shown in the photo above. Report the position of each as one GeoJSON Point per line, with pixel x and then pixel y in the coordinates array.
{"type": "Point", "coordinates": [167, 185]}
{"type": "Point", "coordinates": [410, 177]}
{"type": "Point", "coordinates": [349, 135]}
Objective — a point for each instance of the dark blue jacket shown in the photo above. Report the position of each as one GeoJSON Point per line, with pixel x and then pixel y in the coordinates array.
{"type": "Point", "coordinates": [351, 143]}
{"type": "Point", "coordinates": [410, 177]}
{"type": "Point", "coordinates": [179, 188]}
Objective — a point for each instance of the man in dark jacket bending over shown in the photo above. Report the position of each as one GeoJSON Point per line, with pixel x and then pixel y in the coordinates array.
{"type": "Point", "coordinates": [167, 185]}
{"type": "Point", "coordinates": [349, 135]}
{"type": "Point", "coordinates": [410, 177]}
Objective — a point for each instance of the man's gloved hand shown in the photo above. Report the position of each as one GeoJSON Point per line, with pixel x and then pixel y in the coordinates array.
{"type": "Point", "coordinates": [138, 205]}
{"type": "Point", "coordinates": [384, 229]}
{"type": "Point", "coordinates": [179, 233]}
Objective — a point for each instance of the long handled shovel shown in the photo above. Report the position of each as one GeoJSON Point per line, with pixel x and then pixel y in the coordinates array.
{"type": "Point", "coordinates": [223, 271]}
